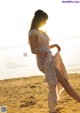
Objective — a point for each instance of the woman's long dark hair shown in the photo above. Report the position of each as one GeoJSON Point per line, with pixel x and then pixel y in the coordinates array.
{"type": "Point", "coordinates": [38, 17]}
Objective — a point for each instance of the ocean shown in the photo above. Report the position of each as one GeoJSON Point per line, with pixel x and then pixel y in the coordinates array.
{"type": "Point", "coordinates": [19, 62]}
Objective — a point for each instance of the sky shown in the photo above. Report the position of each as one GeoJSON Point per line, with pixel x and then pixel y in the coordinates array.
{"type": "Point", "coordinates": [63, 27]}
{"type": "Point", "coordinates": [16, 16]}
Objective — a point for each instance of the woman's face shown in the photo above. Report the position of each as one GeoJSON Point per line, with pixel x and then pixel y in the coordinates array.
{"type": "Point", "coordinates": [43, 23]}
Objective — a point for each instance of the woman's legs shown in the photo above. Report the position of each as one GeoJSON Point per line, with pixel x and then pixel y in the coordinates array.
{"type": "Point", "coordinates": [52, 97]}
{"type": "Point", "coordinates": [59, 90]}
{"type": "Point", "coordinates": [64, 82]}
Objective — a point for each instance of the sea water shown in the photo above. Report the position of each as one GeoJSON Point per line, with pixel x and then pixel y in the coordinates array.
{"type": "Point", "coordinates": [20, 62]}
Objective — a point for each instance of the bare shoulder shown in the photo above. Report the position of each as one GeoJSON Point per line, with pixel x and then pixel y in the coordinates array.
{"type": "Point", "coordinates": [32, 39]}
{"type": "Point", "coordinates": [32, 36]}
{"type": "Point", "coordinates": [32, 32]}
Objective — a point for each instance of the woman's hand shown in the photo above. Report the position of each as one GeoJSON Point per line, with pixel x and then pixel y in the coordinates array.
{"type": "Point", "coordinates": [55, 45]}
{"type": "Point", "coordinates": [58, 47]}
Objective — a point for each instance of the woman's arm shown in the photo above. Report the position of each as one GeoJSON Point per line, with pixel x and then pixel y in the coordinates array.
{"type": "Point", "coordinates": [34, 49]}
{"type": "Point", "coordinates": [55, 45]}
{"type": "Point", "coordinates": [52, 46]}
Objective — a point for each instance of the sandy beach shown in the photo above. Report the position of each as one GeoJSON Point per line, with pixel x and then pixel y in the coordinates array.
{"type": "Point", "coordinates": [29, 95]}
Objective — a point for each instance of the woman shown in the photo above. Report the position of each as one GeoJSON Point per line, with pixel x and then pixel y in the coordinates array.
{"type": "Point", "coordinates": [39, 43]}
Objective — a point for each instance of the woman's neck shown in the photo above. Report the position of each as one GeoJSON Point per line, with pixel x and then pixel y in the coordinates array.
{"type": "Point", "coordinates": [36, 28]}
